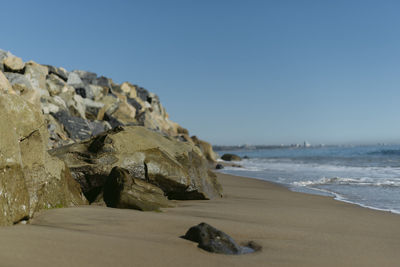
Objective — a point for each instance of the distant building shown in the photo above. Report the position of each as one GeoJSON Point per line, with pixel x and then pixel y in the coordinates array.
{"type": "Point", "coordinates": [306, 144]}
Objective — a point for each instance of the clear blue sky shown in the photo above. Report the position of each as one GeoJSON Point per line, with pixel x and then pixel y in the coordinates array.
{"type": "Point", "coordinates": [233, 72]}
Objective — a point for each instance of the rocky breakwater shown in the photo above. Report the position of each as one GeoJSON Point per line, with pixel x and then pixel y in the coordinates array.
{"type": "Point", "coordinates": [116, 140]}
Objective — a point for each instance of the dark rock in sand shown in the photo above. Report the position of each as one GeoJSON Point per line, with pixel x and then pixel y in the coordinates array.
{"type": "Point", "coordinates": [231, 157]}
{"type": "Point", "coordinates": [216, 241]}
{"type": "Point", "coordinates": [122, 190]}
{"type": "Point", "coordinates": [219, 166]}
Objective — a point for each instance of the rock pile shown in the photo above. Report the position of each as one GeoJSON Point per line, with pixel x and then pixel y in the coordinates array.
{"type": "Point", "coordinates": [116, 140]}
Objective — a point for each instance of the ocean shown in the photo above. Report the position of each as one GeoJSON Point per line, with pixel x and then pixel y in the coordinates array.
{"type": "Point", "coordinates": [368, 176]}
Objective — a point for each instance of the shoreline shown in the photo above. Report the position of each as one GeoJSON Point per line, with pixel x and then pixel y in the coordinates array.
{"type": "Point", "coordinates": [329, 194]}
{"type": "Point", "coordinates": [294, 229]}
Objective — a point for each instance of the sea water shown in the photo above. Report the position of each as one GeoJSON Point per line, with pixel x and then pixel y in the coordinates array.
{"type": "Point", "coordinates": [365, 175]}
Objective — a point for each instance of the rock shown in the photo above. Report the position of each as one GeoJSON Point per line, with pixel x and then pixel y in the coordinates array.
{"type": "Point", "coordinates": [13, 64]}
{"type": "Point", "coordinates": [5, 85]}
{"type": "Point", "coordinates": [60, 72]}
{"type": "Point", "coordinates": [86, 76]}
{"type": "Point", "coordinates": [219, 166]}
{"type": "Point", "coordinates": [74, 79]}
{"type": "Point", "coordinates": [231, 157]}
{"type": "Point", "coordinates": [216, 241]}
{"type": "Point", "coordinates": [23, 86]}
{"type": "Point", "coordinates": [206, 148]}
{"type": "Point", "coordinates": [103, 82]}
{"type": "Point", "coordinates": [37, 74]}
{"type": "Point", "coordinates": [122, 190]}
{"type": "Point", "coordinates": [3, 55]}
{"type": "Point", "coordinates": [78, 128]}
{"type": "Point", "coordinates": [178, 169]}
{"type": "Point", "coordinates": [55, 84]}
{"type": "Point", "coordinates": [30, 179]}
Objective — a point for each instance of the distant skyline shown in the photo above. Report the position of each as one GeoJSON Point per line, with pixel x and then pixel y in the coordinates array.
{"type": "Point", "coordinates": [234, 72]}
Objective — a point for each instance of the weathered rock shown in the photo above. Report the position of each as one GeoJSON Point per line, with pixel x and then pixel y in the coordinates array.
{"type": "Point", "coordinates": [86, 76]}
{"type": "Point", "coordinates": [37, 74]}
{"type": "Point", "coordinates": [31, 179]}
{"type": "Point", "coordinates": [231, 157]}
{"type": "Point", "coordinates": [55, 84]}
{"type": "Point", "coordinates": [216, 241]}
{"type": "Point", "coordinates": [13, 64]}
{"type": "Point", "coordinates": [122, 190]}
{"type": "Point", "coordinates": [3, 55]}
{"type": "Point", "coordinates": [78, 128]}
{"type": "Point", "coordinates": [103, 82]}
{"type": "Point", "coordinates": [22, 86]}
{"type": "Point", "coordinates": [5, 86]}
{"type": "Point", "coordinates": [60, 72]}
{"type": "Point", "coordinates": [178, 168]}
{"type": "Point", "coordinates": [74, 79]}
{"type": "Point", "coordinates": [206, 148]}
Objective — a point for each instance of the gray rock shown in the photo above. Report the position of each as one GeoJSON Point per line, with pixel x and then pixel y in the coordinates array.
{"type": "Point", "coordinates": [216, 241]}
{"type": "Point", "coordinates": [60, 72]}
{"type": "Point", "coordinates": [103, 82]}
{"type": "Point", "coordinates": [142, 93]}
{"type": "Point", "coordinates": [37, 74]}
{"type": "Point", "coordinates": [74, 79]}
{"type": "Point", "coordinates": [78, 128]}
{"type": "Point", "coordinates": [19, 80]}
{"type": "Point", "coordinates": [86, 76]}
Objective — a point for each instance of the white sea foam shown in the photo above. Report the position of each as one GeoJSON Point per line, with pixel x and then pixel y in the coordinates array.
{"type": "Point", "coordinates": [393, 182]}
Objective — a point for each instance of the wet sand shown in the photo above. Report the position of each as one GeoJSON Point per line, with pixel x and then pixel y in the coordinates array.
{"type": "Point", "coordinates": [295, 229]}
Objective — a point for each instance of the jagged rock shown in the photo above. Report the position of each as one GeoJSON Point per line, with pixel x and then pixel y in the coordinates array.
{"type": "Point", "coordinates": [178, 168]}
{"type": "Point", "coordinates": [74, 79]}
{"type": "Point", "coordinates": [23, 87]}
{"type": "Point", "coordinates": [206, 148]}
{"type": "Point", "coordinates": [231, 157]}
{"type": "Point", "coordinates": [3, 55]}
{"type": "Point", "coordinates": [13, 64]}
{"type": "Point", "coordinates": [31, 179]}
{"type": "Point", "coordinates": [86, 76]}
{"type": "Point", "coordinates": [122, 190]}
{"type": "Point", "coordinates": [55, 84]}
{"type": "Point", "coordinates": [37, 74]}
{"type": "Point", "coordinates": [103, 82]}
{"type": "Point", "coordinates": [60, 72]}
{"type": "Point", "coordinates": [5, 85]}
{"type": "Point", "coordinates": [216, 241]}
{"type": "Point", "coordinates": [78, 128]}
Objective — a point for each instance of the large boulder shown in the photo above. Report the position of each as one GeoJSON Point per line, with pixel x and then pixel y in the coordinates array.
{"type": "Point", "coordinates": [30, 179]}
{"type": "Point", "coordinates": [122, 190]}
{"type": "Point", "coordinates": [231, 157]}
{"type": "Point", "coordinates": [179, 169]}
{"type": "Point", "coordinates": [206, 148]}
{"type": "Point", "coordinates": [13, 63]}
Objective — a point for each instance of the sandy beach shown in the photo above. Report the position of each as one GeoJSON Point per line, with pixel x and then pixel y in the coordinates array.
{"type": "Point", "coordinates": [295, 229]}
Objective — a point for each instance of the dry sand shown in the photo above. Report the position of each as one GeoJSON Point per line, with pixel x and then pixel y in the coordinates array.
{"type": "Point", "coordinates": [294, 229]}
